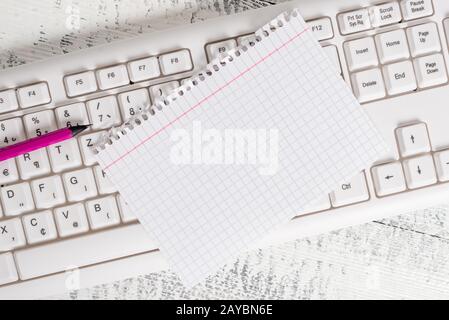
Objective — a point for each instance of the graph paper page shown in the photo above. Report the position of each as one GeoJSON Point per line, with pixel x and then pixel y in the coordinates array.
{"type": "Point", "coordinates": [242, 151]}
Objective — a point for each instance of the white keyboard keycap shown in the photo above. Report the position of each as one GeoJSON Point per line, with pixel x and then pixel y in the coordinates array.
{"type": "Point", "coordinates": [8, 171]}
{"type": "Point", "coordinates": [420, 171]}
{"type": "Point", "coordinates": [144, 69]}
{"type": "Point", "coordinates": [354, 21]}
{"type": "Point", "coordinates": [399, 77]}
{"type": "Point", "coordinates": [442, 164]}
{"type": "Point", "coordinates": [388, 179]}
{"type": "Point", "coordinates": [33, 95]}
{"type": "Point", "coordinates": [385, 14]}
{"type": "Point", "coordinates": [8, 272]}
{"type": "Point", "coordinates": [72, 115]}
{"type": "Point", "coordinates": [319, 205]}
{"type": "Point", "coordinates": [132, 102]}
{"type": "Point", "coordinates": [39, 227]}
{"type": "Point", "coordinates": [48, 192]}
{"type": "Point", "coordinates": [64, 155]}
{"type": "Point", "coordinates": [104, 184]}
{"type": "Point", "coordinates": [413, 139]}
{"type": "Point", "coordinates": [71, 220]}
{"type": "Point", "coordinates": [112, 77]}
{"type": "Point", "coordinates": [415, 9]}
{"type": "Point", "coordinates": [361, 53]}
{"type": "Point", "coordinates": [368, 85]}
{"type": "Point", "coordinates": [39, 123]}
{"type": "Point", "coordinates": [103, 212]}
{"type": "Point", "coordinates": [17, 199]}
{"type": "Point", "coordinates": [332, 53]}
{"type": "Point", "coordinates": [161, 90]}
{"type": "Point", "coordinates": [352, 191]}
{"type": "Point", "coordinates": [86, 142]}
{"type": "Point", "coordinates": [430, 71]}
{"type": "Point", "coordinates": [8, 101]}
{"type": "Point", "coordinates": [80, 83]}
{"type": "Point", "coordinates": [125, 211]}
{"type": "Point", "coordinates": [98, 247]}
{"type": "Point", "coordinates": [423, 39]}
{"type": "Point", "coordinates": [79, 184]}
{"type": "Point", "coordinates": [321, 28]}
{"type": "Point", "coordinates": [392, 46]}
{"type": "Point", "coordinates": [175, 62]}
{"type": "Point", "coordinates": [33, 164]}
{"type": "Point", "coordinates": [11, 132]}
{"type": "Point", "coordinates": [104, 112]}
{"type": "Point", "coordinates": [11, 234]}
{"type": "Point", "coordinates": [216, 49]}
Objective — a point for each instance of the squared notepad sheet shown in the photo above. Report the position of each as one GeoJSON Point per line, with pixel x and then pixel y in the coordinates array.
{"type": "Point", "coordinates": [202, 215]}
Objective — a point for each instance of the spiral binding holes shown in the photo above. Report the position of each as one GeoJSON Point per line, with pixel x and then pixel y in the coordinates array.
{"type": "Point", "coordinates": [214, 67]}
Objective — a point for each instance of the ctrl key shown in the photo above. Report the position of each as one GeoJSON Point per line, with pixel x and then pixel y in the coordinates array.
{"type": "Point", "coordinates": [368, 85]}
{"type": "Point", "coordinates": [8, 272]}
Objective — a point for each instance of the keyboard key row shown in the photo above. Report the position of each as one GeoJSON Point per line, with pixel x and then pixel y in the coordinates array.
{"type": "Point", "coordinates": [383, 15]}
{"type": "Point", "coordinates": [25, 97]}
{"type": "Point", "coordinates": [123, 74]}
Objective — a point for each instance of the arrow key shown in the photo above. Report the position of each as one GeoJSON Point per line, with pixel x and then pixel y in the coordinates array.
{"type": "Point", "coordinates": [420, 171]}
{"type": "Point", "coordinates": [442, 164]}
{"type": "Point", "coordinates": [388, 179]}
{"type": "Point", "coordinates": [413, 139]}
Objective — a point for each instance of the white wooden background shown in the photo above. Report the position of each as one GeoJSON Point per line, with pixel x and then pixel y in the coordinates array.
{"type": "Point", "coordinates": [404, 257]}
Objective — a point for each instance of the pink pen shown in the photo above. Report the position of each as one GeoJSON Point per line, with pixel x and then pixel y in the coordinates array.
{"type": "Point", "coordinates": [40, 142]}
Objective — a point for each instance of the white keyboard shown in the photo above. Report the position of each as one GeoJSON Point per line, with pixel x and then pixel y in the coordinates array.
{"type": "Point", "coordinates": [62, 224]}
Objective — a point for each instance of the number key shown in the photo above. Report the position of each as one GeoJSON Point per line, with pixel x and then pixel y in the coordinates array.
{"type": "Point", "coordinates": [72, 115]}
{"type": "Point", "coordinates": [132, 102]}
{"type": "Point", "coordinates": [11, 131]}
{"type": "Point", "coordinates": [39, 123]}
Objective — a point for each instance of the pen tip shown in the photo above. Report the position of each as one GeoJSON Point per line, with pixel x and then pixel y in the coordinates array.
{"type": "Point", "coordinates": [79, 128]}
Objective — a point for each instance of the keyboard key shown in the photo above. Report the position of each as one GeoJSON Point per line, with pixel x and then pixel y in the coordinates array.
{"type": "Point", "coordinates": [104, 112]}
{"type": "Point", "coordinates": [319, 205]}
{"type": "Point", "coordinates": [161, 90]}
{"type": "Point", "coordinates": [72, 115]}
{"type": "Point", "coordinates": [349, 192]}
{"type": "Point", "coordinates": [361, 53]}
{"type": "Point", "coordinates": [388, 179]}
{"type": "Point", "coordinates": [420, 171]}
{"type": "Point", "coordinates": [48, 192]}
{"type": "Point", "coordinates": [8, 101]}
{"type": "Point", "coordinates": [8, 171]}
{"type": "Point", "coordinates": [64, 155]}
{"type": "Point", "coordinates": [442, 164]}
{"type": "Point", "coordinates": [103, 212]}
{"type": "Point", "coordinates": [112, 77]}
{"type": "Point", "coordinates": [17, 199]}
{"type": "Point", "coordinates": [125, 211]}
{"type": "Point", "coordinates": [415, 9]}
{"type": "Point", "coordinates": [39, 227]}
{"type": "Point", "coordinates": [399, 77]}
{"type": "Point", "coordinates": [321, 28]}
{"type": "Point", "coordinates": [332, 53]}
{"type": "Point", "coordinates": [86, 143]}
{"type": "Point", "coordinates": [132, 102]}
{"type": "Point", "coordinates": [79, 184]}
{"type": "Point", "coordinates": [246, 39]}
{"type": "Point", "coordinates": [80, 83]}
{"type": "Point", "coordinates": [98, 247]}
{"type": "Point", "coordinates": [8, 272]}
{"type": "Point", "coordinates": [39, 123]}
{"type": "Point", "coordinates": [33, 95]}
{"type": "Point", "coordinates": [413, 139]}
{"type": "Point", "coordinates": [104, 184]}
{"type": "Point", "coordinates": [354, 21]}
{"type": "Point", "coordinates": [143, 69]}
{"type": "Point", "coordinates": [385, 14]}
{"type": "Point", "coordinates": [71, 220]}
{"type": "Point", "coordinates": [368, 85]}
{"type": "Point", "coordinates": [392, 46]}
{"type": "Point", "coordinates": [11, 132]}
{"type": "Point", "coordinates": [423, 39]}
{"type": "Point", "coordinates": [175, 62]}
{"type": "Point", "coordinates": [11, 234]}
{"type": "Point", "coordinates": [430, 71]}
{"type": "Point", "coordinates": [33, 164]}
{"type": "Point", "coordinates": [214, 50]}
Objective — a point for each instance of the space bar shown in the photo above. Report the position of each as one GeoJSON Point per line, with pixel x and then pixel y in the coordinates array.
{"type": "Point", "coordinates": [83, 251]}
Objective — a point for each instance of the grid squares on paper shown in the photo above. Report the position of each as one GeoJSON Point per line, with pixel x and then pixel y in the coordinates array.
{"type": "Point", "coordinates": [202, 215]}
